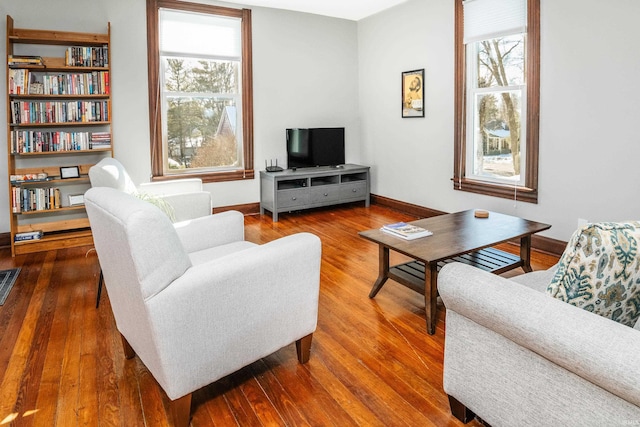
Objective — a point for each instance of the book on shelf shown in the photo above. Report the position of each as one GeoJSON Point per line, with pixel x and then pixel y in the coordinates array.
{"type": "Point", "coordinates": [406, 231]}
{"type": "Point", "coordinates": [84, 56]}
{"type": "Point", "coordinates": [28, 235]}
{"type": "Point", "coordinates": [24, 60]}
{"type": "Point", "coordinates": [35, 199]}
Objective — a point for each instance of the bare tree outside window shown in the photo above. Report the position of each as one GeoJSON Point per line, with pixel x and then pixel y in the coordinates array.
{"type": "Point", "coordinates": [498, 107]}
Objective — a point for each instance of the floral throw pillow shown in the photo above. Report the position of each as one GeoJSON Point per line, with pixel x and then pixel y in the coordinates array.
{"type": "Point", "coordinates": [599, 271]}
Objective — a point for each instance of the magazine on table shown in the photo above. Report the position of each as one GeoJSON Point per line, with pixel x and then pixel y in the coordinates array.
{"type": "Point", "coordinates": [406, 231]}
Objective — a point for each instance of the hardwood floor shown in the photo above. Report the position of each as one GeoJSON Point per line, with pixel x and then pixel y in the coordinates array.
{"type": "Point", "coordinates": [372, 362]}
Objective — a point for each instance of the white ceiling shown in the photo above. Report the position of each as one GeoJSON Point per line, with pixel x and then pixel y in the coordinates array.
{"type": "Point", "coordinates": [347, 9]}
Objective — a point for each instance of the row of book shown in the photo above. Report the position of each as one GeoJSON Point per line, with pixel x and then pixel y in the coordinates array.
{"type": "Point", "coordinates": [26, 112]}
{"type": "Point", "coordinates": [28, 235]}
{"type": "Point", "coordinates": [34, 199]}
{"type": "Point", "coordinates": [23, 81]}
{"type": "Point", "coordinates": [44, 141]}
{"type": "Point", "coordinates": [87, 56]}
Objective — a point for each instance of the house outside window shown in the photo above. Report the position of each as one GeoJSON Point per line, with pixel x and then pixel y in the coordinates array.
{"type": "Point", "coordinates": [497, 97]}
{"type": "Point", "coordinates": [200, 91]}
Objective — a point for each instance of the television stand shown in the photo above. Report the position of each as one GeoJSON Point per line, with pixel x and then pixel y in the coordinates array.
{"type": "Point", "coordinates": [306, 188]}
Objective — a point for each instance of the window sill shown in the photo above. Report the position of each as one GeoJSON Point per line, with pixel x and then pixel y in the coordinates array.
{"type": "Point", "coordinates": [207, 177]}
{"type": "Point", "coordinates": [521, 194]}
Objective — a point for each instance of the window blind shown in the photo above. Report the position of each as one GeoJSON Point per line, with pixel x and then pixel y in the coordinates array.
{"type": "Point", "coordinates": [488, 19]}
{"type": "Point", "coordinates": [199, 34]}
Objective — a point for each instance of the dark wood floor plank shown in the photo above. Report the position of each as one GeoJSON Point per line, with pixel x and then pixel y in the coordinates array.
{"type": "Point", "coordinates": [210, 408]}
{"type": "Point", "coordinates": [320, 408]}
{"type": "Point", "coordinates": [372, 362]}
{"type": "Point", "coordinates": [40, 314]}
{"type": "Point", "coordinates": [68, 397]}
{"type": "Point", "coordinates": [107, 358]}
{"type": "Point", "coordinates": [276, 393]}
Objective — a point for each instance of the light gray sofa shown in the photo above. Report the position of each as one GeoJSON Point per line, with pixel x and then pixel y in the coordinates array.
{"type": "Point", "coordinates": [515, 356]}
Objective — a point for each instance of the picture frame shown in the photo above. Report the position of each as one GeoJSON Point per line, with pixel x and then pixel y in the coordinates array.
{"type": "Point", "coordinates": [68, 172]}
{"type": "Point", "coordinates": [76, 199]}
{"type": "Point", "coordinates": [413, 93]}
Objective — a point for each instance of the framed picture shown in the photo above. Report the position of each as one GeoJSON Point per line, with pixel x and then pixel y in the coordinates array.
{"type": "Point", "coordinates": [69, 172]}
{"type": "Point", "coordinates": [413, 93]}
{"type": "Point", "coordinates": [76, 199]}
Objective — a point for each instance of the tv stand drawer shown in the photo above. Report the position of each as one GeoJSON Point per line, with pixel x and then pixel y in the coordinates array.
{"type": "Point", "coordinates": [293, 198]}
{"type": "Point", "coordinates": [355, 190]}
{"type": "Point", "coordinates": [323, 194]}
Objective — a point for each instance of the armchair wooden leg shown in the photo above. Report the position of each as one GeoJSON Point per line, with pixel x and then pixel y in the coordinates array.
{"type": "Point", "coordinates": [460, 411]}
{"type": "Point", "coordinates": [303, 348]}
{"type": "Point", "coordinates": [180, 411]}
{"type": "Point", "coordinates": [129, 352]}
{"type": "Point", "coordinates": [100, 282]}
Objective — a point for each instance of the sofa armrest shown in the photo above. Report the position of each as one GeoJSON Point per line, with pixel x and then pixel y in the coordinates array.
{"type": "Point", "coordinates": [597, 349]}
{"type": "Point", "coordinates": [212, 230]}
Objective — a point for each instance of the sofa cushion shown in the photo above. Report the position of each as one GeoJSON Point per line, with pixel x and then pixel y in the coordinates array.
{"type": "Point", "coordinates": [536, 280]}
{"type": "Point", "coordinates": [599, 271]}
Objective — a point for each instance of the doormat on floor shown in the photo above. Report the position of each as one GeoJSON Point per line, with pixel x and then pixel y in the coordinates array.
{"type": "Point", "coordinates": [7, 279]}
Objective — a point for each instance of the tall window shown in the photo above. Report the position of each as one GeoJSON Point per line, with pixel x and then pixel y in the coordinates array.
{"type": "Point", "coordinates": [497, 98]}
{"type": "Point", "coordinates": [200, 91]}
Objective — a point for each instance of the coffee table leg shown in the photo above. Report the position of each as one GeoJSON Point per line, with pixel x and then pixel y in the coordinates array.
{"type": "Point", "coordinates": [431, 296]}
{"type": "Point", "coordinates": [525, 253]}
{"type": "Point", "coordinates": [383, 270]}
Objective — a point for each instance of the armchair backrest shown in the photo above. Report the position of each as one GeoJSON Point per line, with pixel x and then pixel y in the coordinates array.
{"type": "Point", "coordinates": [109, 172]}
{"type": "Point", "coordinates": [138, 248]}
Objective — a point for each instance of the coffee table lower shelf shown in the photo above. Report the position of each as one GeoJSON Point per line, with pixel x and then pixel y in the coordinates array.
{"type": "Point", "coordinates": [411, 274]}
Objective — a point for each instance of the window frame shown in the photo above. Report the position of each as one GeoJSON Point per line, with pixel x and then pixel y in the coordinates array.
{"type": "Point", "coordinates": [529, 191]}
{"type": "Point", "coordinates": [155, 107]}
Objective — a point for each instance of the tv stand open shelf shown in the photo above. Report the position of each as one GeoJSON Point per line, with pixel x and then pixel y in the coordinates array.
{"type": "Point", "coordinates": [292, 190]}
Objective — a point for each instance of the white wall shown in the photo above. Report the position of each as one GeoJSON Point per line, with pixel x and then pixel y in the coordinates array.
{"type": "Point", "coordinates": [304, 66]}
{"type": "Point", "coordinates": [317, 71]}
{"type": "Point", "coordinates": [590, 92]}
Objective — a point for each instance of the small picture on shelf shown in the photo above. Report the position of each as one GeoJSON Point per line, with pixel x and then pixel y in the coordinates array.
{"type": "Point", "coordinates": [69, 172]}
{"type": "Point", "coordinates": [76, 199]}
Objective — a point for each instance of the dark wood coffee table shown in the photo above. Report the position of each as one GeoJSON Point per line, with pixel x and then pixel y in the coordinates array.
{"type": "Point", "coordinates": [456, 237]}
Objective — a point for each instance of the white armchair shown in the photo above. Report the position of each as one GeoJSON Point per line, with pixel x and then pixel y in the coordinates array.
{"type": "Point", "coordinates": [194, 300]}
{"type": "Point", "coordinates": [185, 196]}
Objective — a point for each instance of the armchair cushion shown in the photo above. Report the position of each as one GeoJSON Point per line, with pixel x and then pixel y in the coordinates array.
{"type": "Point", "coordinates": [599, 271]}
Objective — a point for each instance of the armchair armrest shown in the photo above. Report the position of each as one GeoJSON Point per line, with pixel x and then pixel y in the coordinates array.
{"type": "Point", "coordinates": [185, 196]}
{"type": "Point", "coordinates": [212, 230]}
{"type": "Point", "coordinates": [188, 206]}
{"type": "Point", "coordinates": [175, 186]}
{"type": "Point", "coordinates": [597, 349]}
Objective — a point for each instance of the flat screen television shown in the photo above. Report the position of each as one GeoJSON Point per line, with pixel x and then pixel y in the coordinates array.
{"type": "Point", "coordinates": [312, 147]}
